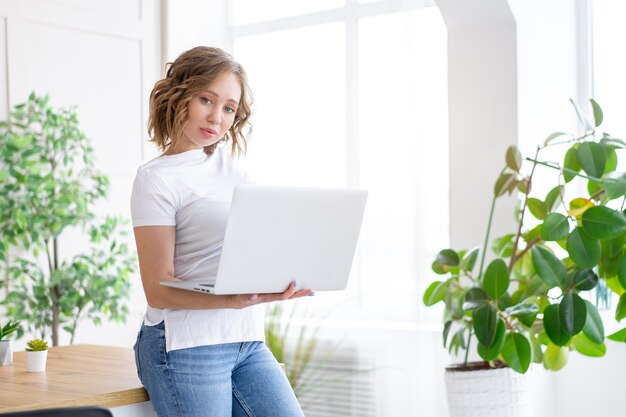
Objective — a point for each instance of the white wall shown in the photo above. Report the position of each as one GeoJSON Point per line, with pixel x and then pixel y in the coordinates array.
{"type": "Point", "coordinates": [104, 57]}
{"type": "Point", "coordinates": [189, 23]}
{"type": "Point", "coordinates": [482, 85]}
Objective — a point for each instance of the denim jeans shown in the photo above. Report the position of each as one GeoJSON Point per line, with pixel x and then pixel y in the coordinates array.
{"type": "Point", "coordinates": [231, 379]}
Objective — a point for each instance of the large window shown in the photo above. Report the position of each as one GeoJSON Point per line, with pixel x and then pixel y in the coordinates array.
{"type": "Point", "coordinates": [354, 95]}
{"type": "Point", "coordinates": [609, 67]}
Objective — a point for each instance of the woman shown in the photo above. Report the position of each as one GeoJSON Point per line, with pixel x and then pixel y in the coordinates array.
{"type": "Point", "coordinates": [200, 354]}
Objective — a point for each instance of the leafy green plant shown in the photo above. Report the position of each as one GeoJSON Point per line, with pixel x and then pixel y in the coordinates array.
{"type": "Point", "coordinates": [36, 345]}
{"type": "Point", "coordinates": [296, 359]}
{"type": "Point", "coordinates": [529, 303]}
{"type": "Point", "coordinates": [308, 365]}
{"type": "Point", "coordinates": [49, 185]}
{"type": "Point", "coordinates": [8, 329]}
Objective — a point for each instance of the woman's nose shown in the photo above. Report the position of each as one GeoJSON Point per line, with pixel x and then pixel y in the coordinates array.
{"type": "Point", "coordinates": [214, 116]}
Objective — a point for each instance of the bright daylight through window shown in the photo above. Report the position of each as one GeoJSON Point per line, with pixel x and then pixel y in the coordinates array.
{"type": "Point", "coordinates": [356, 96]}
{"type": "Point", "coordinates": [609, 58]}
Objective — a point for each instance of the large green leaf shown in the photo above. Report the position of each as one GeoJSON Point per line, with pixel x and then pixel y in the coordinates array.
{"type": "Point", "coordinates": [523, 310]}
{"type": "Point", "coordinates": [554, 136]}
{"type": "Point", "coordinates": [485, 321]}
{"type": "Point", "coordinates": [584, 250]}
{"type": "Point", "coordinates": [503, 246]}
{"type": "Point", "coordinates": [504, 301]}
{"type": "Point", "coordinates": [614, 248]}
{"type": "Point", "coordinates": [516, 352]}
{"type": "Point", "coordinates": [555, 227]}
{"type": "Point", "coordinates": [613, 284]}
{"type": "Point", "coordinates": [555, 357]}
{"type": "Point", "coordinates": [537, 208]}
{"type": "Point", "coordinates": [620, 311]}
{"type": "Point", "coordinates": [489, 353]}
{"type": "Point", "coordinates": [549, 268]}
{"type": "Point", "coordinates": [573, 313]}
{"type": "Point", "coordinates": [553, 325]}
{"type": "Point", "coordinates": [469, 259]}
{"type": "Point", "coordinates": [594, 187]}
{"type": "Point", "coordinates": [612, 142]}
{"type": "Point", "coordinates": [536, 346]}
{"type": "Point", "coordinates": [588, 347]}
{"type": "Point", "coordinates": [570, 164]}
{"type": "Point", "coordinates": [592, 158]}
{"type": "Point", "coordinates": [448, 257]}
{"type": "Point", "coordinates": [496, 280]}
{"type": "Point", "coordinates": [611, 163]}
{"type": "Point", "coordinates": [585, 279]}
{"type": "Point", "coordinates": [446, 331]}
{"type": "Point", "coordinates": [554, 198]}
{"type": "Point", "coordinates": [621, 271]}
{"type": "Point", "coordinates": [618, 336]}
{"type": "Point", "coordinates": [513, 158]}
{"type": "Point", "coordinates": [474, 298]}
{"type": "Point", "coordinates": [439, 268]}
{"type": "Point", "coordinates": [506, 182]}
{"type": "Point", "coordinates": [597, 112]}
{"type": "Point", "coordinates": [594, 328]}
{"type": "Point", "coordinates": [615, 184]}
{"type": "Point", "coordinates": [435, 292]}
{"type": "Point", "coordinates": [602, 222]}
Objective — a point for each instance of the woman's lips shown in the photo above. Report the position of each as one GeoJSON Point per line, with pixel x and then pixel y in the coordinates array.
{"type": "Point", "coordinates": [209, 133]}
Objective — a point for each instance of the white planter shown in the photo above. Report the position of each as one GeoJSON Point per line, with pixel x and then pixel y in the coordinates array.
{"type": "Point", "coordinates": [36, 361]}
{"type": "Point", "coordinates": [498, 392]}
{"type": "Point", "coordinates": [6, 354]}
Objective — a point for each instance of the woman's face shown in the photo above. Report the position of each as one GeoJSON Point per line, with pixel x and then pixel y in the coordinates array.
{"type": "Point", "coordinates": [211, 113]}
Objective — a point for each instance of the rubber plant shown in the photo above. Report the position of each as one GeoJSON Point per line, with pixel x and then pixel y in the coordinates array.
{"type": "Point", "coordinates": [531, 302]}
{"type": "Point", "coordinates": [48, 186]}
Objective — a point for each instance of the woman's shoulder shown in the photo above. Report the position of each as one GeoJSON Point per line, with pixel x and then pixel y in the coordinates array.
{"type": "Point", "coordinates": [153, 171]}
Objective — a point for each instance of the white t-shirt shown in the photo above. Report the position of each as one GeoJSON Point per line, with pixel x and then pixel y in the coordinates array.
{"type": "Point", "coordinates": [193, 191]}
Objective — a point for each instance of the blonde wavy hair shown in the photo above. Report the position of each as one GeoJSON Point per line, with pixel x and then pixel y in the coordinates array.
{"type": "Point", "coordinates": [186, 77]}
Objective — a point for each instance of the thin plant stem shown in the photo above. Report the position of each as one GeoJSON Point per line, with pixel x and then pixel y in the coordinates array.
{"type": "Point", "coordinates": [578, 139]}
{"type": "Point", "coordinates": [597, 194]}
{"type": "Point", "coordinates": [526, 249]}
{"type": "Point", "coordinates": [49, 257]}
{"type": "Point", "coordinates": [569, 171]}
{"type": "Point", "coordinates": [482, 258]}
{"type": "Point", "coordinates": [523, 211]}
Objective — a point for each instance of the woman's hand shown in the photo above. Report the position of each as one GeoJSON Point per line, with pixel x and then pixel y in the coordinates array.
{"type": "Point", "coordinates": [247, 300]}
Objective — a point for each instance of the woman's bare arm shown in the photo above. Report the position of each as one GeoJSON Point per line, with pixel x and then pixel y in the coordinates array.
{"type": "Point", "coordinates": [155, 249]}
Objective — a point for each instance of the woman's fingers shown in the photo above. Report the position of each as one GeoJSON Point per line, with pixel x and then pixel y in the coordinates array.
{"type": "Point", "coordinates": [292, 292]}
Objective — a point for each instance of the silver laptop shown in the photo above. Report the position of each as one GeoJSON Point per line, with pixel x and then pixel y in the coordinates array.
{"type": "Point", "coordinates": [276, 235]}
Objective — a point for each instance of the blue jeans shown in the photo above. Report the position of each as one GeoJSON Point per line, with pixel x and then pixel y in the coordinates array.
{"type": "Point", "coordinates": [232, 379]}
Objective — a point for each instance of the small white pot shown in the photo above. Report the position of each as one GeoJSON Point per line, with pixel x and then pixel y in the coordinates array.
{"type": "Point", "coordinates": [6, 354]}
{"type": "Point", "coordinates": [497, 392]}
{"type": "Point", "coordinates": [36, 361]}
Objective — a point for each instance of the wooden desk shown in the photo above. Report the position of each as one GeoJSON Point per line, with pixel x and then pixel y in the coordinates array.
{"type": "Point", "coordinates": [75, 376]}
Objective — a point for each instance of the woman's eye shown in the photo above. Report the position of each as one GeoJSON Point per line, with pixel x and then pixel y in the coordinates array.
{"type": "Point", "coordinates": [230, 110]}
{"type": "Point", "coordinates": [205, 100]}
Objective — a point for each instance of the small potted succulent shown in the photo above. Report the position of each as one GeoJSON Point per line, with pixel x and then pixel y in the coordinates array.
{"type": "Point", "coordinates": [530, 302]}
{"type": "Point", "coordinates": [36, 355]}
{"type": "Point", "coordinates": [6, 354]}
